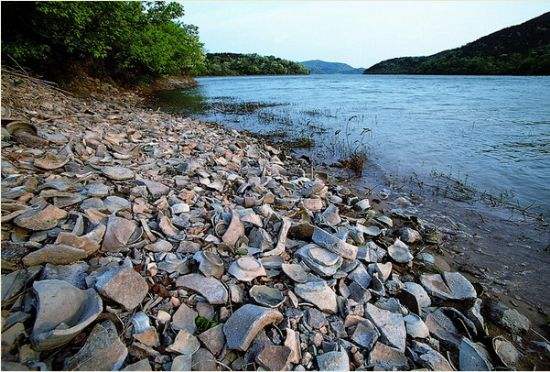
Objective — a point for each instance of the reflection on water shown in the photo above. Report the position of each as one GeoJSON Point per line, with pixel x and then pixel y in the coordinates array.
{"type": "Point", "coordinates": [492, 131]}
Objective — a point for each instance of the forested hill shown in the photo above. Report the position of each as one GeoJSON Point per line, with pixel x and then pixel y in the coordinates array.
{"type": "Point", "coordinates": [323, 67]}
{"type": "Point", "coordinates": [518, 50]}
{"type": "Point", "coordinates": [224, 64]}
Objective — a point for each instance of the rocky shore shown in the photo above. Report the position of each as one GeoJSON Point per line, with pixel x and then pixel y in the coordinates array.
{"type": "Point", "coordinates": [137, 240]}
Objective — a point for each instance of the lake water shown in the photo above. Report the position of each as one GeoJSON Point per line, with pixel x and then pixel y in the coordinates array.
{"type": "Point", "coordinates": [492, 133]}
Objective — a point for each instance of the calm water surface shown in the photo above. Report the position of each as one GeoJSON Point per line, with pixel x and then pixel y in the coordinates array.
{"type": "Point", "coordinates": [491, 132]}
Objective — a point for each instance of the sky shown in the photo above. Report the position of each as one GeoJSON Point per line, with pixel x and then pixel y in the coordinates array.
{"type": "Point", "coordinates": [360, 33]}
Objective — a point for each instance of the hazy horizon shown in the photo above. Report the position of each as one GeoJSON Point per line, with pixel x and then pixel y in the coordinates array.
{"type": "Point", "coordinates": [357, 33]}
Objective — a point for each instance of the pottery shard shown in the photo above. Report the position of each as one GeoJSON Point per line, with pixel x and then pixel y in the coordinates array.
{"type": "Point", "coordinates": [319, 294]}
{"type": "Point", "coordinates": [390, 325]}
{"type": "Point", "coordinates": [103, 350]}
{"type": "Point", "coordinates": [119, 230]}
{"type": "Point", "coordinates": [122, 285]}
{"type": "Point", "coordinates": [44, 219]}
{"type": "Point", "coordinates": [57, 254]}
{"type": "Point", "coordinates": [209, 287]}
{"type": "Point", "coordinates": [156, 189]}
{"type": "Point", "coordinates": [245, 323]}
{"type": "Point", "coordinates": [234, 231]}
{"type": "Point", "coordinates": [118, 173]}
{"type": "Point", "coordinates": [184, 318]}
{"type": "Point", "coordinates": [334, 244]}
{"type": "Point", "coordinates": [448, 286]}
{"type": "Point", "coordinates": [63, 312]}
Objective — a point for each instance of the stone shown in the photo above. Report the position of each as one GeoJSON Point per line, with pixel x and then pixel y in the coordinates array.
{"type": "Point", "coordinates": [74, 274]}
{"type": "Point", "coordinates": [184, 318]}
{"type": "Point", "coordinates": [365, 334]}
{"type": "Point", "coordinates": [156, 189]}
{"type": "Point", "coordinates": [473, 357]}
{"type": "Point", "coordinates": [415, 297]}
{"type": "Point", "coordinates": [203, 360]}
{"type": "Point", "coordinates": [333, 361]}
{"type": "Point", "coordinates": [427, 357]}
{"type": "Point", "coordinates": [210, 264]}
{"type": "Point", "coordinates": [387, 358]}
{"type": "Point", "coordinates": [244, 324]}
{"type": "Point", "coordinates": [415, 326]}
{"type": "Point", "coordinates": [292, 341]}
{"type": "Point", "coordinates": [384, 270]}
{"type": "Point", "coordinates": [208, 287]}
{"type": "Point", "coordinates": [295, 272]}
{"type": "Point", "coordinates": [410, 236]}
{"type": "Point", "coordinates": [506, 352]}
{"type": "Point", "coordinates": [234, 231]}
{"type": "Point", "coordinates": [37, 219]}
{"type": "Point", "coordinates": [123, 285]}
{"type": "Point", "coordinates": [399, 252]}
{"type": "Point", "coordinates": [507, 318]}
{"type": "Point", "coordinates": [320, 260]}
{"type": "Point", "coordinates": [14, 282]}
{"type": "Point", "coordinates": [362, 204]}
{"type": "Point", "coordinates": [141, 365]}
{"type": "Point", "coordinates": [391, 326]}
{"type": "Point", "coordinates": [118, 173]}
{"type": "Point", "coordinates": [330, 216]}
{"type": "Point", "coordinates": [334, 244]}
{"type": "Point", "coordinates": [182, 363]}
{"type": "Point", "coordinates": [281, 242]}
{"type": "Point", "coordinates": [448, 286]}
{"type": "Point", "coordinates": [315, 318]}
{"type": "Point", "coordinates": [51, 161]}
{"type": "Point", "coordinates": [57, 254]}
{"type": "Point", "coordinates": [102, 351]}
{"type": "Point", "coordinates": [319, 294]}
{"type": "Point", "coordinates": [115, 203]}
{"type": "Point", "coordinates": [148, 337]}
{"type": "Point", "coordinates": [184, 343]}
{"type": "Point", "coordinates": [118, 233]}
{"type": "Point", "coordinates": [273, 357]}
{"type": "Point", "coordinates": [246, 269]}
{"type": "Point", "coordinates": [63, 312]}
{"type": "Point", "coordinates": [160, 245]}
{"type": "Point", "coordinates": [372, 230]}
{"type": "Point", "coordinates": [213, 339]}
{"type": "Point", "coordinates": [443, 329]}
{"type": "Point", "coordinates": [89, 242]}
{"type": "Point", "coordinates": [267, 296]}
{"type": "Point", "coordinates": [370, 252]}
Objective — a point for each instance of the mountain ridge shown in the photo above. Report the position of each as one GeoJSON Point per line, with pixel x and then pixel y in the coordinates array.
{"type": "Point", "coordinates": [317, 66]}
{"type": "Point", "coordinates": [522, 49]}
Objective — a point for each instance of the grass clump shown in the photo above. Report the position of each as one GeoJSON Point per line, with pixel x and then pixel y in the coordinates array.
{"type": "Point", "coordinates": [355, 162]}
{"type": "Point", "coordinates": [204, 324]}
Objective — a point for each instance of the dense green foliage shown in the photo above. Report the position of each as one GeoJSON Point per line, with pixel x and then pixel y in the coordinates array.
{"type": "Point", "coordinates": [322, 67]}
{"type": "Point", "coordinates": [222, 64]}
{"type": "Point", "coordinates": [124, 38]}
{"type": "Point", "coordinates": [518, 50]}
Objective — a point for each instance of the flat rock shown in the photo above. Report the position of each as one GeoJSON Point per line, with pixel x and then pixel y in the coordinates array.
{"type": "Point", "coordinates": [89, 242]}
{"type": "Point", "coordinates": [245, 323]}
{"type": "Point", "coordinates": [156, 189]}
{"type": "Point", "coordinates": [391, 326]}
{"type": "Point", "coordinates": [387, 358]}
{"type": "Point", "coordinates": [365, 334]}
{"type": "Point", "coordinates": [184, 343]}
{"type": "Point", "coordinates": [118, 173]}
{"type": "Point", "coordinates": [160, 245]}
{"type": "Point", "coordinates": [210, 264]}
{"type": "Point", "coordinates": [448, 286]}
{"type": "Point", "coordinates": [182, 363]}
{"type": "Point", "coordinates": [118, 233]}
{"type": "Point", "coordinates": [123, 285]}
{"type": "Point", "coordinates": [295, 272]}
{"type": "Point", "coordinates": [506, 352]}
{"type": "Point", "coordinates": [319, 294]}
{"type": "Point", "coordinates": [473, 356]}
{"type": "Point", "coordinates": [209, 287]}
{"type": "Point", "coordinates": [51, 161]}
{"type": "Point", "coordinates": [63, 312]}
{"type": "Point", "coordinates": [266, 296]}
{"type": "Point", "coordinates": [320, 260]}
{"type": "Point", "coordinates": [213, 339]}
{"type": "Point", "coordinates": [40, 219]}
{"type": "Point", "coordinates": [508, 318]}
{"type": "Point", "coordinates": [427, 357]}
{"type": "Point", "coordinates": [415, 326]}
{"type": "Point", "coordinates": [234, 231]}
{"type": "Point", "coordinates": [333, 361]}
{"type": "Point", "coordinates": [334, 244]}
{"type": "Point", "coordinates": [57, 254]}
{"type": "Point", "coordinates": [246, 268]}
{"type": "Point", "coordinates": [399, 252]}
{"type": "Point", "coordinates": [415, 297]}
{"type": "Point", "coordinates": [184, 318]}
{"type": "Point", "coordinates": [203, 360]}
{"type": "Point", "coordinates": [141, 365]}
{"type": "Point", "coordinates": [103, 350]}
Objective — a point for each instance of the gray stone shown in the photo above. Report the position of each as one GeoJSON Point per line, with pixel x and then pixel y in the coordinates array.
{"type": "Point", "coordinates": [391, 326]}
{"type": "Point", "coordinates": [415, 326]}
{"type": "Point", "coordinates": [508, 318]}
{"type": "Point", "coordinates": [506, 352]}
{"type": "Point", "coordinates": [333, 361]}
{"type": "Point", "coordinates": [213, 339]}
{"type": "Point", "coordinates": [160, 245]}
{"type": "Point", "coordinates": [203, 360]}
{"type": "Point", "coordinates": [118, 233]}
{"type": "Point", "coordinates": [319, 294]}
{"type": "Point", "coordinates": [156, 189]}
{"type": "Point", "coordinates": [141, 365]}
{"type": "Point", "coordinates": [334, 244]}
{"type": "Point", "coordinates": [473, 357]}
{"type": "Point", "coordinates": [210, 264]}
{"type": "Point", "coordinates": [245, 323]}
{"type": "Point", "coordinates": [74, 274]}
{"type": "Point", "coordinates": [182, 363]}
{"type": "Point", "coordinates": [448, 286]}
{"type": "Point", "coordinates": [123, 285]}
{"type": "Point", "coordinates": [63, 312]}
{"type": "Point", "coordinates": [409, 235]}
{"type": "Point", "coordinates": [365, 334]}
{"type": "Point", "coordinates": [102, 351]}
{"type": "Point", "coordinates": [320, 260]}
{"type": "Point", "coordinates": [184, 318]}
{"type": "Point", "coordinates": [267, 296]}
{"type": "Point", "coordinates": [246, 268]}
{"type": "Point", "coordinates": [295, 272]}
{"type": "Point", "coordinates": [184, 343]}
{"type": "Point", "coordinates": [387, 358]}
{"type": "Point", "coordinates": [209, 287]}
{"type": "Point", "coordinates": [115, 203]}
{"type": "Point", "coordinates": [399, 252]}
{"type": "Point", "coordinates": [273, 357]}
{"type": "Point", "coordinates": [57, 254]}
{"type": "Point", "coordinates": [427, 357]}
{"type": "Point", "coordinates": [37, 218]}
{"type": "Point", "coordinates": [118, 173]}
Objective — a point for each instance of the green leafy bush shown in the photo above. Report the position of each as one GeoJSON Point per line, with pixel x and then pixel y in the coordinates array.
{"type": "Point", "coordinates": [221, 64]}
{"type": "Point", "coordinates": [126, 39]}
